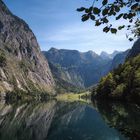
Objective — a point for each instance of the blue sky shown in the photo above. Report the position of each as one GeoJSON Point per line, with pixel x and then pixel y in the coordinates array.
{"type": "Point", "coordinates": [56, 23]}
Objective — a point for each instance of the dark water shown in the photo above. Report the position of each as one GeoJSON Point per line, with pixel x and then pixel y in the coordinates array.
{"type": "Point", "coordinates": [55, 120]}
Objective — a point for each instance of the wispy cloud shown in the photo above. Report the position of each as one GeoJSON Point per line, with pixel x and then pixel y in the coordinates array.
{"type": "Point", "coordinates": [86, 37]}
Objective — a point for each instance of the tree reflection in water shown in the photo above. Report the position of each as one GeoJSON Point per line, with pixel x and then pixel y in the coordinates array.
{"type": "Point", "coordinates": [121, 116]}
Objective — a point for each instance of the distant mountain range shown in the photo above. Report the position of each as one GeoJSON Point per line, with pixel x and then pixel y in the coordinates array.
{"type": "Point", "coordinates": [80, 69]}
{"type": "Point", "coordinates": [106, 55]}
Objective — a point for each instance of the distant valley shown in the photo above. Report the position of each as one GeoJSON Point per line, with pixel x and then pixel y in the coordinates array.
{"type": "Point", "coordinates": [79, 70]}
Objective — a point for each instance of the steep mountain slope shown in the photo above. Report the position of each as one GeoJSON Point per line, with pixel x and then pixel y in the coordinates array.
{"type": "Point", "coordinates": [79, 69]}
{"type": "Point", "coordinates": [119, 59]}
{"type": "Point", "coordinates": [22, 65]}
{"type": "Point", "coordinates": [135, 49]}
{"type": "Point", "coordinates": [64, 81]}
{"type": "Point", "coordinates": [123, 82]}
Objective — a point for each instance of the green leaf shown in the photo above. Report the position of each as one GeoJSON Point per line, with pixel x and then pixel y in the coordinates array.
{"type": "Point", "coordinates": [105, 12]}
{"type": "Point", "coordinates": [125, 16]}
{"type": "Point", "coordinates": [89, 10]}
{"type": "Point", "coordinates": [92, 17]}
{"type": "Point", "coordinates": [96, 10]}
{"type": "Point", "coordinates": [119, 16]}
{"type": "Point", "coordinates": [131, 20]}
{"type": "Point", "coordinates": [117, 9]}
{"type": "Point", "coordinates": [105, 2]}
{"type": "Point", "coordinates": [113, 30]}
{"type": "Point", "coordinates": [114, 13]}
{"type": "Point", "coordinates": [105, 20]}
{"type": "Point", "coordinates": [106, 29]}
{"type": "Point", "coordinates": [86, 10]}
{"type": "Point", "coordinates": [130, 15]}
{"type": "Point", "coordinates": [121, 27]}
{"type": "Point", "coordinates": [85, 17]}
{"type": "Point", "coordinates": [80, 9]}
{"type": "Point", "coordinates": [97, 23]}
{"type": "Point", "coordinates": [112, 9]}
{"type": "Point", "coordinates": [135, 6]}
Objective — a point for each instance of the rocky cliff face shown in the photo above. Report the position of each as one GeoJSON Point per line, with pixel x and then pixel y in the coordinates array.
{"type": "Point", "coordinates": [22, 65]}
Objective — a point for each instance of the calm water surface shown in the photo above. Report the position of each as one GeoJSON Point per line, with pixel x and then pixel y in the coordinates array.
{"type": "Point", "coordinates": [55, 120]}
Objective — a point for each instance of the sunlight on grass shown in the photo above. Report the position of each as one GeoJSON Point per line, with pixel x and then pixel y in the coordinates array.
{"type": "Point", "coordinates": [71, 97]}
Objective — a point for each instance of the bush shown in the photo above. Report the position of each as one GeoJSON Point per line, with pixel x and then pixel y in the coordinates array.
{"type": "Point", "coordinates": [2, 60]}
{"type": "Point", "coordinates": [119, 91]}
{"type": "Point", "coordinates": [24, 66]}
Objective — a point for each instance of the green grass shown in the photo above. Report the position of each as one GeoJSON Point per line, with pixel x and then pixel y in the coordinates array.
{"type": "Point", "coordinates": [71, 97]}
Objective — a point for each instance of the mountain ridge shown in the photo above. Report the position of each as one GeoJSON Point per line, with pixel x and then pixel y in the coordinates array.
{"type": "Point", "coordinates": [23, 66]}
{"type": "Point", "coordinates": [82, 69]}
{"type": "Point", "coordinates": [106, 55]}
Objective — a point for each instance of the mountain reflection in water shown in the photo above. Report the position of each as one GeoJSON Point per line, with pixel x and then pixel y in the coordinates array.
{"type": "Point", "coordinates": [55, 120]}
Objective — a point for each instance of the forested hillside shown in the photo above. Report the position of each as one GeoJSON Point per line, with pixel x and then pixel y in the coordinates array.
{"type": "Point", "coordinates": [124, 81]}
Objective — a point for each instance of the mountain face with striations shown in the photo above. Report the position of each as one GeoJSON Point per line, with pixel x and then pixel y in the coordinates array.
{"type": "Point", "coordinates": [77, 68]}
{"type": "Point", "coordinates": [22, 65]}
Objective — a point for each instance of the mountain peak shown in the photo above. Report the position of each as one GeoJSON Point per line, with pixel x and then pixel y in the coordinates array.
{"type": "Point", "coordinates": [106, 55]}
{"type": "Point", "coordinates": [92, 53]}
{"type": "Point", "coordinates": [115, 53]}
{"type": "Point", "coordinates": [53, 49]}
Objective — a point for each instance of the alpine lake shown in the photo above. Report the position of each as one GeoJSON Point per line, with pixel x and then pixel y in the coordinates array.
{"type": "Point", "coordinates": [69, 117]}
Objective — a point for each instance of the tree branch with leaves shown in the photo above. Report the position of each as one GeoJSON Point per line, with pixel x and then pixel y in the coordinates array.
{"type": "Point", "coordinates": [128, 10]}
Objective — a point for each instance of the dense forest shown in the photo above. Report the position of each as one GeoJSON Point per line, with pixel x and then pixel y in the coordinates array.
{"type": "Point", "coordinates": [123, 82]}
